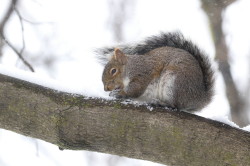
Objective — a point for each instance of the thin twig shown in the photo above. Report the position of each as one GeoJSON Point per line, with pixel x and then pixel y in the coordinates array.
{"type": "Point", "coordinates": [7, 15]}
{"type": "Point", "coordinates": [36, 23]}
{"type": "Point", "coordinates": [248, 86]}
{"type": "Point", "coordinates": [22, 28]}
{"type": "Point", "coordinates": [12, 8]}
{"type": "Point", "coordinates": [18, 54]}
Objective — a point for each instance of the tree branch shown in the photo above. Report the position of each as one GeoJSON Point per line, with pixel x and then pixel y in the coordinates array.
{"type": "Point", "coordinates": [7, 15]}
{"type": "Point", "coordinates": [22, 29]}
{"type": "Point", "coordinates": [214, 10]}
{"type": "Point", "coordinates": [19, 54]}
{"type": "Point", "coordinates": [12, 7]}
{"type": "Point", "coordinates": [75, 122]}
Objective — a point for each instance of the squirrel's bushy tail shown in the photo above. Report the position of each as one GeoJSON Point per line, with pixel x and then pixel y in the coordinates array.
{"type": "Point", "coordinates": [175, 40]}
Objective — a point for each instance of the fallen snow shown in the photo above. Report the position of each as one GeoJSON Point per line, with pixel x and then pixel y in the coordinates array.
{"type": "Point", "coordinates": [225, 120]}
{"type": "Point", "coordinates": [34, 78]}
{"type": "Point", "coordinates": [45, 81]}
{"type": "Point", "coordinates": [247, 128]}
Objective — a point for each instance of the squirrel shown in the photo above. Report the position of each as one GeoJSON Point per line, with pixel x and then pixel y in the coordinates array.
{"type": "Point", "coordinates": [166, 70]}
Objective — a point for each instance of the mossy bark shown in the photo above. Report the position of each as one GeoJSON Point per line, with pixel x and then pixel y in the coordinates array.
{"type": "Point", "coordinates": [75, 122]}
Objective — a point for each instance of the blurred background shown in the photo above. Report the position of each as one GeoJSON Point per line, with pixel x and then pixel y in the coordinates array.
{"type": "Point", "coordinates": [56, 38]}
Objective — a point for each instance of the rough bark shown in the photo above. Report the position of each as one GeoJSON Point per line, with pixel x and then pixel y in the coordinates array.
{"type": "Point", "coordinates": [74, 122]}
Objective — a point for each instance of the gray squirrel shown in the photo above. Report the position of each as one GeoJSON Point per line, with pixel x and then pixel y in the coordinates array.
{"type": "Point", "coordinates": [166, 70]}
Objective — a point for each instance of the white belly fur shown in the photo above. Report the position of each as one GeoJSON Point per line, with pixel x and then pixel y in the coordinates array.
{"type": "Point", "coordinates": [161, 89]}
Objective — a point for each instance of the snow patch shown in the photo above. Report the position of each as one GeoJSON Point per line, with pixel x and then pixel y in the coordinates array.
{"type": "Point", "coordinates": [247, 128]}
{"type": "Point", "coordinates": [31, 77]}
{"type": "Point", "coordinates": [224, 119]}
{"type": "Point", "coordinates": [150, 108]}
{"type": "Point", "coordinates": [42, 80]}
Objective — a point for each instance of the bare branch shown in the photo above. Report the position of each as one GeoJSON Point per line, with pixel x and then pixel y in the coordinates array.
{"type": "Point", "coordinates": [12, 8]}
{"type": "Point", "coordinates": [119, 14]}
{"type": "Point", "coordinates": [22, 19]}
{"type": "Point", "coordinates": [1, 47]}
{"type": "Point", "coordinates": [36, 23]}
{"type": "Point", "coordinates": [79, 123]}
{"type": "Point", "coordinates": [22, 29]}
{"type": "Point", "coordinates": [18, 54]}
{"type": "Point", "coordinates": [7, 15]}
{"type": "Point", "coordinates": [214, 10]}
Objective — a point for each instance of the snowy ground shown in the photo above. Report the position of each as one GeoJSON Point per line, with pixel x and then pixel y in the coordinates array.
{"type": "Point", "coordinates": [78, 27]}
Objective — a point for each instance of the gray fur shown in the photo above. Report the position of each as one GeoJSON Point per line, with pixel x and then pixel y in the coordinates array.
{"type": "Point", "coordinates": [186, 80]}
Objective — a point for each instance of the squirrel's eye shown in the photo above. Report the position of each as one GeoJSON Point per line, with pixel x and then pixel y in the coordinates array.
{"type": "Point", "coordinates": [113, 71]}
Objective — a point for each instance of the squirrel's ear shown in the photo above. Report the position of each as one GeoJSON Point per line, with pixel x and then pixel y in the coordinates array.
{"type": "Point", "coordinates": [120, 56]}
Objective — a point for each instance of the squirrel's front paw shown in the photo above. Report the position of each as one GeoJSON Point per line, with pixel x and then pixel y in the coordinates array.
{"type": "Point", "coordinates": [118, 93]}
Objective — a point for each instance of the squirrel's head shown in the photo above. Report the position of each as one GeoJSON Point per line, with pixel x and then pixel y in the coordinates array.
{"type": "Point", "coordinates": [113, 71]}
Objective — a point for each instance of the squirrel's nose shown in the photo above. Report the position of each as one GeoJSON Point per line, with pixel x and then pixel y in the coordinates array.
{"type": "Point", "coordinates": [106, 88]}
